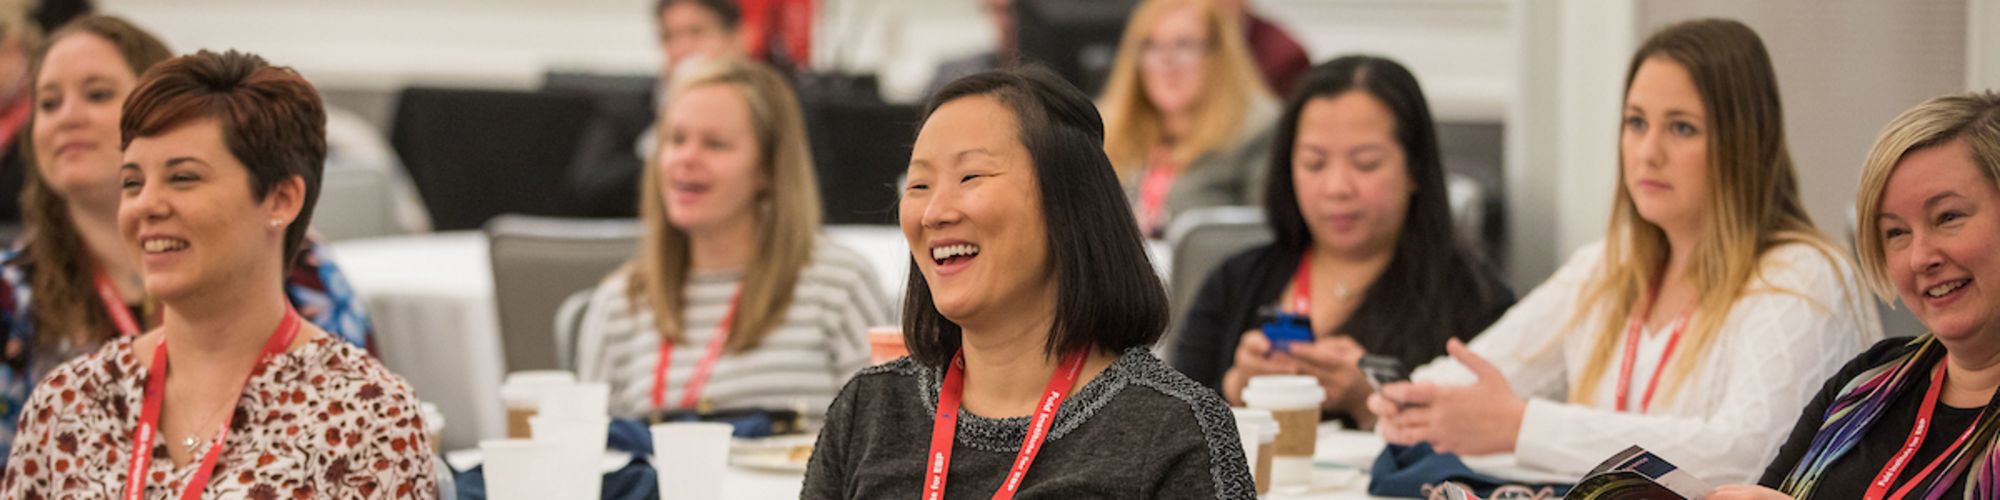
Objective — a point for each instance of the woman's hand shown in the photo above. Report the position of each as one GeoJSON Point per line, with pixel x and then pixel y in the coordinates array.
{"type": "Point", "coordinates": [1478, 419]}
{"type": "Point", "coordinates": [1746, 492]}
{"type": "Point", "coordinates": [1253, 358]}
{"type": "Point", "coordinates": [1335, 361]}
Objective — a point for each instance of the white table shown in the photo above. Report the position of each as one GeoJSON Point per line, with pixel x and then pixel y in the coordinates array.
{"type": "Point", "coordinates": [431, 298]}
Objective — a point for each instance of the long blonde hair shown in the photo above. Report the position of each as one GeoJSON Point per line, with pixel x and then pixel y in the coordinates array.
{"type": "Point", "coordinates": [1753, 202]}
{"type": "Point", "coordinates": [787, 215]}
{"type": "Point", "coordinates": [1132, 125]}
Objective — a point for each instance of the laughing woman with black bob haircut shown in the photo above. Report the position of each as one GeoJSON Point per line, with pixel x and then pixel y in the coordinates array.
{"type": "Point", "coordinates": [1029, 315]}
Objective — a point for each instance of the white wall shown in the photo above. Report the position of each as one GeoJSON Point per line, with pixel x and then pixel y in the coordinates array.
{"type": "Point", "coordinates": [1982, 40]}
{"type": "Point", "coordinates": [1461, 50]}
{"type": "Point", "coordinates": [385, 44]}
{"type": "Point", "coordinates": [1844, 69]}
{"type": "Point", "coordinates": [1562, 133]}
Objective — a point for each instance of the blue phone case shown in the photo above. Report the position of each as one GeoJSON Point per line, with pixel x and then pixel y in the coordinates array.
{"type": "Point", "coordinates": [1285, 329]}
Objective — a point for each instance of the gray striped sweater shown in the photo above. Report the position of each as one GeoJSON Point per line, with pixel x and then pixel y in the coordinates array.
{"type": "Point", "coordinates": [800, 365]}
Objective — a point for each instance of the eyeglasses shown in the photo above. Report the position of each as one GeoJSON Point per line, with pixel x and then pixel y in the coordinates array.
{"type": "Point", "coordinates": [1182, 52]}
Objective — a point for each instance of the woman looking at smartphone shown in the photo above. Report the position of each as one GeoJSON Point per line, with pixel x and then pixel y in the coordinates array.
{"type": "Point", "coordinates": [1365, 251]}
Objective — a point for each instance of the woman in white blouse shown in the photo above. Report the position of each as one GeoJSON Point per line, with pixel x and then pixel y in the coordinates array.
{"type": "Point", "coordinates": [1701, 324]}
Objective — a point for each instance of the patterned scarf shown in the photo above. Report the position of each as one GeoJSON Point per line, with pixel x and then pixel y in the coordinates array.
{"type": "Point", "coordinates": [1864, 399]}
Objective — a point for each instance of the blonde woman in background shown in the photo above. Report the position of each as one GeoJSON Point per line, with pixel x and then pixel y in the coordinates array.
{"type": "Point", "coordinates": [1700, 325]}
{"type": "Point", "coordinates": [1186, 117]}
{"type": "Point", "coordinates": [734, 300]}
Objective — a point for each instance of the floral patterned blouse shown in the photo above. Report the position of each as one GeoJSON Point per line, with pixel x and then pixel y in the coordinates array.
{"type": "Point", "coordinates": [323, 421]}
{"type": "Point", "coordinates": [315, 286]}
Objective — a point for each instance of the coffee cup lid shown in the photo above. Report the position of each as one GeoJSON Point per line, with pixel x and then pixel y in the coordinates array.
{"type": "Point", "coordinates": [1283, 392]}
{"type": "Point", "coordinates": [1258, 421]}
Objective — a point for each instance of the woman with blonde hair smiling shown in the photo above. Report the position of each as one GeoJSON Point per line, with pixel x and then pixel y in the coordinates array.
{"type": "Point", "coordinates": [734, 301]}
{"type": "Point", "coordinates": [1700, 323]}
{"type": "Point", "coordinates": [1186, 118]}
{"type": "Point", "coordinates": [1915, 416]}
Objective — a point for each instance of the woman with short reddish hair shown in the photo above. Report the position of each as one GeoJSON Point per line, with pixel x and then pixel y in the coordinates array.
{"type": "Point", "coordinates": [68, 285]}
{"type": "Point", "coordinates": [232, 395]}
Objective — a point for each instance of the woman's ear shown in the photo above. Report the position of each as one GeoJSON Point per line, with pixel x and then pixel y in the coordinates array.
{"type": "Point", "coordinates": [286, 200]}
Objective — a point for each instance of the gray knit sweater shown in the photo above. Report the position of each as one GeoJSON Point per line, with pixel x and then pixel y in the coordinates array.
{"type": "Point", "coordinates": [1137, 430]}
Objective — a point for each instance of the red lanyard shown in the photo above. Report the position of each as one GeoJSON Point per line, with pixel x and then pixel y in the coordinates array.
{"type": "Point", "coordinates": [946, 426]}
{"type": "Point", "coordinates": [1632, 333]}
{"type": "Point", "coordinates": [149, 415]}
{"type": "Point", "coordinates": [114, 305]}
{"type": "Point", "coordinates": [1923, 426]}
{"type": "Point", "coordinates": [1153, 195]}
{"type": "Point", "coordinates": [1302, 287]}
{"type": "Point", "coordinates": [691, 395]}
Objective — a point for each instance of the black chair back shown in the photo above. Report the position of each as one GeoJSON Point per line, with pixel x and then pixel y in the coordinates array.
{"type": "Point", "coordinates": [475, 154]}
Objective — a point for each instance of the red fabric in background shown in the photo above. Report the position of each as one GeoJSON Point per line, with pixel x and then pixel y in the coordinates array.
{"type": "Point", "coordinates": [1280, 58]}
{"type": "Point", "coordinates": [779, 31]}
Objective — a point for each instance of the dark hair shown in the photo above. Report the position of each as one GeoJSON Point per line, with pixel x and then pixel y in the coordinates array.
{"type": "Point", "coordinates": [271, 119]}
{"type": "Point", "coordinates": [732, 17]}
{"type": "Point", "coordinates": [1108, 297]}
{"type": "Point", "coordinates": [61, 285]}
{"type": "Point", "coordinates": [1434, 282]}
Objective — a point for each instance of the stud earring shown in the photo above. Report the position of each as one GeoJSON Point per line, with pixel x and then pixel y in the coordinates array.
{"type": "Point", "coordinates": [277, 222]}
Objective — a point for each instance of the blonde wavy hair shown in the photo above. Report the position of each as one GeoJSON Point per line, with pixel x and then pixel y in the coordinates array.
{"type": "Point", "coordinates": [1132, 125]}
{"type": "Point", "coordinates": [788, 215]}
{"type": "Point", "coordinates": [1753, 204]}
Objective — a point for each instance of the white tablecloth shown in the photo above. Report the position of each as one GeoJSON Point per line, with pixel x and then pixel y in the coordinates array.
{"type": "Point", "coordinates": [431, 297]}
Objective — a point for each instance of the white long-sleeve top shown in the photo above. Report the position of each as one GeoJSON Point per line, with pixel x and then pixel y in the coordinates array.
{"type": "Point", "coordinates": [1800, 317]}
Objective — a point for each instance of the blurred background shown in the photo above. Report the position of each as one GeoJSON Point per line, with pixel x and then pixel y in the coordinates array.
{"type": "Point", "coordinates": [1527, 88]}
{"type": "Point", "coordinates": [469, 109]}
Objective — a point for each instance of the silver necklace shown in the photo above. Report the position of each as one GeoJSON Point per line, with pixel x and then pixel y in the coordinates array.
{"type": "Point", "coordinates": [192, 442]}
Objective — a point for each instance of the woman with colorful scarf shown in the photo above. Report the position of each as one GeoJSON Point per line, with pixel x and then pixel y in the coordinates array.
{"type": "Point", "coordinates": [1914, 417]}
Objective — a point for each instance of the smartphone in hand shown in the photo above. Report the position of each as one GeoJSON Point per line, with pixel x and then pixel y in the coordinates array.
{"type": "Point", "coordinates": [1383, 370]}
{"type": "Point", "coordinates": [1283, 329]}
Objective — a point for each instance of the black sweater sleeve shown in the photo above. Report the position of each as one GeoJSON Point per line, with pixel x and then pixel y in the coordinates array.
{"type": "Point", "coordinates": [827, 473]}
{"type": "Point", "coordinates": [1801, 438]}
{"type": "Point", "coordinates": [1206, 338]}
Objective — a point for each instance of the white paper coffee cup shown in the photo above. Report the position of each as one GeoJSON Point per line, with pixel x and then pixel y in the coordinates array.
{"type": "Point", "coordinates": [1293, 401]}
